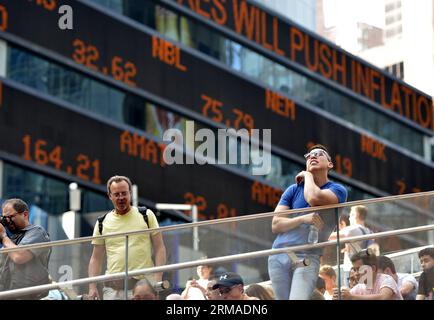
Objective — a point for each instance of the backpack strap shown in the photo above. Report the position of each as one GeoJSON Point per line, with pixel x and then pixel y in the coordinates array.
{"type": "Point", "coordinates": [366, 242]}
{"type": "Point", "coordinates": [143, 211]}
{"type": "Point", "coordinates": [100, 221]}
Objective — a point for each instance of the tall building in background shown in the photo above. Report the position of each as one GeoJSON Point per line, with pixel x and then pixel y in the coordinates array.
{"type": "Point", "coordinates": [408, 49]}
{"type": "Point", "coordinates": [393, 20]}
{"type": "Point", "coordinates": [350, 23]}
{"type": "Point", "coordinates": [369, 36]}
{"type": "Point", "coordinates": [404, 46]}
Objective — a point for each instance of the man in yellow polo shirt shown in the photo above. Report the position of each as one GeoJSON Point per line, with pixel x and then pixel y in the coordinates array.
{"type": "Point", "coordinates": [124, 218]}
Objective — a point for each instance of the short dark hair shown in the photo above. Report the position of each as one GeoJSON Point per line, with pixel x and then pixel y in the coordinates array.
{"type": "Point", "coordinates": [145, 283]}
{"type": "Point", "coordinates": [385, 262]}
{"type": "Point", "coordinates": [320, 146]}
{"type": "Point", "coordinates": [426, 252]}
{"type": "Point", "coordinates": [317, 146]}
{"type": "Point", "coordinates": [344, 218]}
{"type": "Point", "coordinates": [258, 291]}
{"type": "Point", "coordinates": [327, 270]}
{"type": "Point", "coordinates": [361, 211]}
{"type": "Point", "coordinates": [118, 179]}
{"type": "Point", "coordinates": [367, 256]}
{"type": "Point", "coordinates": [19, 205]}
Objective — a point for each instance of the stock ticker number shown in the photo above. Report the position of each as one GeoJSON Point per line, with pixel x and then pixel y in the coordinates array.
{"type": "Point", "coordinates": [3, 18]}
{"type": "Point", "coordinates": [404, 188]}
{"type": "Point", "coordinates": [343, 165]}
{"type": "Point", "coordinates": [222, 210]}
{"type": "Point", "coordinates": [213, 109]}
{"type": "Point", "coordinates": [49, 5]}
{"type": "Point", "coordinates": [89, 56]}
{"type": "Point", "coordinates": [40, 152]}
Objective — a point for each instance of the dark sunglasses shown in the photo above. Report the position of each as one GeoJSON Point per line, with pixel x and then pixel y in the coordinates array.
{"type": "Point", "coordinates": [225, 290]}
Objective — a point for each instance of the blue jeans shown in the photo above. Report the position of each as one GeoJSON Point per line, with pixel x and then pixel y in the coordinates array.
{"type": "Point", "coordinates": [290, 282]}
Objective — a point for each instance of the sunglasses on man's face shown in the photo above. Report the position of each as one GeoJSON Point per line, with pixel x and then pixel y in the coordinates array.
{"type": "Point", "coordinates": [225, 290]}
{"type": "Point", "coordinates": [118, 195]}
{"type": "Point", "coordinates": [7, 219]}
{"type": "Point", "coordinates": [316, 154]}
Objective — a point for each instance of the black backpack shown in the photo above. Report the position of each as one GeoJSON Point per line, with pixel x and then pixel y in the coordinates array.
{"type": "Point", "coordinates": [142, 210]}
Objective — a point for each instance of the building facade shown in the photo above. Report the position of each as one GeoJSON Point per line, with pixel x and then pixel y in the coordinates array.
{"type": "Point", "coordinates": [403, 53]}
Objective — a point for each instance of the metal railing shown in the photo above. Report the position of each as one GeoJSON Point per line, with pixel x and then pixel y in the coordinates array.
{"type": "Point", "coordinates": [211, 261]}
{"type": "Point", "coordinates": [220, 221]}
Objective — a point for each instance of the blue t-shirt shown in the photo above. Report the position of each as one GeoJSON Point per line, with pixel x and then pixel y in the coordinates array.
{"type": "Point", "coordinates": [293, 197]}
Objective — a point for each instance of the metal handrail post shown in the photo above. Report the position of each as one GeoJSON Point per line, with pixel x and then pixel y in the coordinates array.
{"type": "Point", "coordinates": [195, 218]}
{"type": "Point", "coordinates": [126, 268]}
{"type": "Point", "coordinates": [338, 252]}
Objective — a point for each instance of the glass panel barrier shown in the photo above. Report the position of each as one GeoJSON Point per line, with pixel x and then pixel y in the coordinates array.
{"type": "Point", "coordinates": [242, 245]}
{"type": "Point", "coordinates": [67, 262]}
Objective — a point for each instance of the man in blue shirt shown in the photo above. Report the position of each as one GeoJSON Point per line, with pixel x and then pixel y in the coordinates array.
{"type": "Point", "coordinates": [312, 189]}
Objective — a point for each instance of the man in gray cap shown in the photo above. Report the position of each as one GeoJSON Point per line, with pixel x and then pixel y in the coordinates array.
{"type": "Point", "coordinates": [231, 287]}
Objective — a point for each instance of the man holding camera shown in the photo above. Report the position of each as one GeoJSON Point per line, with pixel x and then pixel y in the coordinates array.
{"type": "Point", "coordinates": [24, 268]}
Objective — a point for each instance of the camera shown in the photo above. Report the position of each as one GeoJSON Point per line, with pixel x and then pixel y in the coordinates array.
{"type": "Point", "coordinates": [4, 221]}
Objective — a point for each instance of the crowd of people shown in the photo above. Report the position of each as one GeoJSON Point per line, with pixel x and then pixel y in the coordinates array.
{"type": "Point", "coordinates": [372, 278]}
{"type": "Point", "coordinates": [367, 274]}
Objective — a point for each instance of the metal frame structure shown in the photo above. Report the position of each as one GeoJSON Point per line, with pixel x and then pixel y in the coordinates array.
{"type": "Point", "coordinates": [230, 258]}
